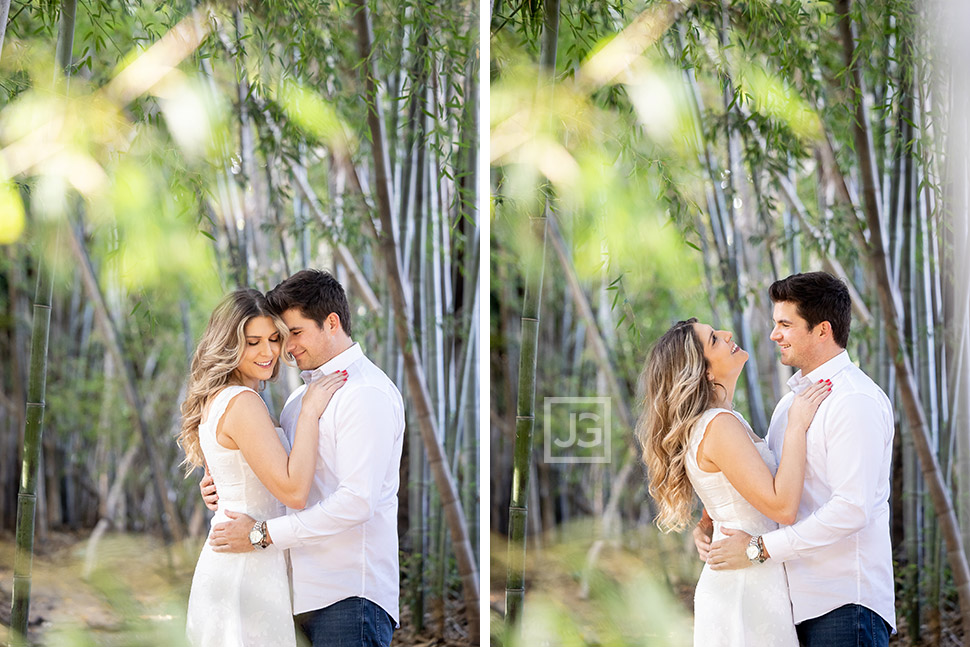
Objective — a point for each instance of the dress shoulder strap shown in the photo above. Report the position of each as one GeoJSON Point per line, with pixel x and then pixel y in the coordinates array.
{"type": "Point", "coordinates": [221, 402]}
{"type": "Point", "coordinates": [700, 427]}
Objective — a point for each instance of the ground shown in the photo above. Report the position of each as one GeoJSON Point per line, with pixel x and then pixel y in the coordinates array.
{"type": "Point", "coordinates": [639, 593]}
{"type": "Point", "coordinates": [138, 594]}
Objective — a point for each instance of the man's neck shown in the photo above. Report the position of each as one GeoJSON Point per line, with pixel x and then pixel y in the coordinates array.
{"type": "Point", "coordinates": [342, 347]}
{"type": "Point", "coordinates": [821, 359]}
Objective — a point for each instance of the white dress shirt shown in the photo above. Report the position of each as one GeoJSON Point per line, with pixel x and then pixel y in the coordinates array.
{"type": "Point", "coordinates": [838, 551]}
{"type": "Point", "coordinates": [344, 543]}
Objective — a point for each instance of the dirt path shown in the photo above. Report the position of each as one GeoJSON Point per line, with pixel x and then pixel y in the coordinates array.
{"type": "Point", "coordinates": [132, 590]}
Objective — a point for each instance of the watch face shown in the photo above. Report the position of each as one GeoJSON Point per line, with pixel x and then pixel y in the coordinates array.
{"type": "Point", "coordinates": [255, 536]}
{"type": "Point", "coordinates": [752, 552]}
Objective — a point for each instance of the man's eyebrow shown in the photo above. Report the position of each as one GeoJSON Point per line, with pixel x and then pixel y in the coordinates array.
{"type": "Point", "coordinates": [296, 328]}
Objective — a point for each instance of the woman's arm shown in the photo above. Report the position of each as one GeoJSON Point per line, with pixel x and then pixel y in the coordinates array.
{"type": "Point", "coordinates": [728, 448]}
{"type": "Point", "coordinates": [247, 426]}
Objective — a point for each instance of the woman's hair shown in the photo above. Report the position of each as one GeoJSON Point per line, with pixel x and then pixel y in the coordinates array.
{"type": "Point", "coordinates": [677, 392]}
{"type": "Point", "coordinates": [215, 361]}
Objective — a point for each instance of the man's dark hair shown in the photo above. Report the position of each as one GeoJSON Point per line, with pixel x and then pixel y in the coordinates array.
{"type": "Point", "coordinates": [818, 297]}
{"type": "Point", "coordinates": [315, 293]}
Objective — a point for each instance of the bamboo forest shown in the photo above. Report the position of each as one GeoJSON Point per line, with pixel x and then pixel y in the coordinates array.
{"type": "Point", "coordinates": [155, 156]}
{"type": "Point", "coordinates": [656, 160]}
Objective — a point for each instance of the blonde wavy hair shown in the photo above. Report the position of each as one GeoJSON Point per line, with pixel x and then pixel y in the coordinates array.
{"type": "Point", "coordinates": [677, 392]}
{"type": "Point", "coordinates": [216, 359]}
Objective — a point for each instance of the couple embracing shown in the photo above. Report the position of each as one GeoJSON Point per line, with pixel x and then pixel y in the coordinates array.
{"type": "Point", "coordinates": [799, 521]}
{"type": "Point", "coordinates": [305, 530]}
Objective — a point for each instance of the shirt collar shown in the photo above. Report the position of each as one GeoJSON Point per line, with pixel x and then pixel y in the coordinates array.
{"type": "Point", "coordinates": [337, 363]}
{"type": "Point", "coordinates": [797, 382]}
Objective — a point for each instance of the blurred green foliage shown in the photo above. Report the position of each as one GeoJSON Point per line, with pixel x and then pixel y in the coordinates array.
{"type": "Point", "coordinates": [628, 600]}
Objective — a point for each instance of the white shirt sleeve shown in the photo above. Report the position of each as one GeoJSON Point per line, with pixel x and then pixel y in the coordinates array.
{"type": "Point", "coordinates": [856, 435]}
{"type": "Point", "coordinates": [364, 430]}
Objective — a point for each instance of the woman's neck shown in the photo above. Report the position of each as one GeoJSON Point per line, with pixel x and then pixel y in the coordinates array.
{"type": "Point", "coordinates": [725, 395]}
{"type": "Point", "coordinates": [238, 381]}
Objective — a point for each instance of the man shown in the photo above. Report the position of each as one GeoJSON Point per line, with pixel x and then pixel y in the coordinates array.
{"type": "Point", "coordinates": [343, 545]}
{"type": "Point", "coordinates": [837, 554]}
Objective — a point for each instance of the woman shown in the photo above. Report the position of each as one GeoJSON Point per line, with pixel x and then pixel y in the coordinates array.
{"type": "Point", "coordinates": [694, 441]}
{"type": "Point", "coordinates": [244, 599]}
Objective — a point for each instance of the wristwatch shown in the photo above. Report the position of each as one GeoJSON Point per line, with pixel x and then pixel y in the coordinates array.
{"type": "Point", "coordinates": [756, 551]}
{"type": "Point", "coordinates": [258, 536]}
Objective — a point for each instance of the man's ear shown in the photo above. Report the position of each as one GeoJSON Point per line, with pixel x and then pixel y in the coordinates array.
{"type": "Point", "coordinates": [332, 321]}
{"type": "Point", "coordinates": [824, 329]}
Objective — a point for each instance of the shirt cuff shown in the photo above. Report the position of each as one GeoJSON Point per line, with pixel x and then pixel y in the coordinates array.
{"type": "Point", "coordinates": [281, 532]}
{"type": "Point", "coordinates": [776, 542]}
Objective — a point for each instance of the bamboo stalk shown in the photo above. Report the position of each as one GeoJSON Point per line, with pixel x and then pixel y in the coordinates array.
{"type": "Point", "coordinates": [889, 299]}
{"type": "Point", "coordinates": [4, 12]}
{"type": "Point", "coordinates": [27, 497]}
{"type": "Point", "coordinates": [37, 384]}
{"type": "Point", "coordinates": [417, 383]}
{"type": "Point", "coordinates": [525, 401]}
{"type": "Point", "coordinates": [344, 255]}
{"type": "Point", "coordinates": [524, 426]}
{"type": "Point", "coordinates": [168, 516]}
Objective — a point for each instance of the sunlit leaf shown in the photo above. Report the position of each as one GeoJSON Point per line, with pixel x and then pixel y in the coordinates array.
{"type": "Point", "coordinates": [12, 219]}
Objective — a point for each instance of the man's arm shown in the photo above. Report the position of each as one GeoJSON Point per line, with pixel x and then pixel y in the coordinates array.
{"type": "Point", "coordinates": [857, 433]}
{"type": "Point", "coordinates": [208, 489]}
{"type": "Point", "coordinates": [857, 439]}
{"type": "Point", "coordinates": [366, 427]}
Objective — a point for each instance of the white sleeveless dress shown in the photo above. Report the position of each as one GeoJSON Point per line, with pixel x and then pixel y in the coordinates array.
{"type": "Point", "coordinates": [238, 599]}
{"type": "Point", "coordinates": [745, 607]}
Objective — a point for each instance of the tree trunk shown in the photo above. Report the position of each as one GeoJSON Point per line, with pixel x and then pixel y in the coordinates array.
{"type": "Point", "coordinates": [954, 21]}
{"type": "Point", "coordinates": [168, 516]}
{"type": "Point", "coordinates": [4, 12]}
{"type": "Point", "coordinates": [27, 497]}
{"type": "Point", "coordinates": [417, 386]}
{"type": "Point", "coordinates": [111, 510]}
{"type": "Point", "coordinates": [524, 426]}
{"type": "Point", "coordinates": [525, 402]}
{"type": "Point", "coordinates": [889, 299]}
{"type": "Point", "coordinates": [344, 255]}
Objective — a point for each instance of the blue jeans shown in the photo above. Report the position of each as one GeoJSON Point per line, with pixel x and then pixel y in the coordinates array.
{"type": "Point", "coordinates": [852, 625]}
{"type": "Point", "coordinates": [353, 622]}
